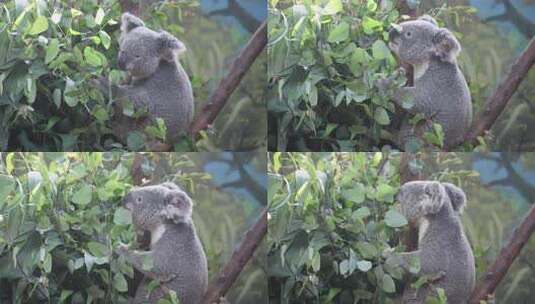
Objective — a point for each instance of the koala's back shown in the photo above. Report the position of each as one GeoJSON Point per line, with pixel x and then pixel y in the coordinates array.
{"type": "Point", "coordinates": [179, 252]}
{"type": "Point", "coordinates": [445, 248]}
{"type": "Point", "coordinates": [444, 92]}
{"type": "Point", "coordinates": [170, 97]}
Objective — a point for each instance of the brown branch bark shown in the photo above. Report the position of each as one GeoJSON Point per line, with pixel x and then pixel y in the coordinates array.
{"type": "Point", "coordinates": [241, 255]}
{"type": "Point", "coordinates": [496, 103]}
{"type": "Point", "coordinates": [495, 273]}
{"type": "Point", "coordinates": [231, 81]}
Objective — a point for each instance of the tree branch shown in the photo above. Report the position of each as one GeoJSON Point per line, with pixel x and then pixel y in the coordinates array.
{"type": "Point", "coordinates": [496, 103]}
{"type": "Point", "coordinates": [241, 255]}
{"type": "Point", "coordinates": [231, 81]}
{"type": "Point", "coordinates": [495, 273]}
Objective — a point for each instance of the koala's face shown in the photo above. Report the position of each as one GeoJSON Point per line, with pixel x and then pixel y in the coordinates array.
{"type": "Point", "coordinates": [139, 52]}
{"type": "Point", "coordinates": [154, 205]}
{"type": "Point", "coordinates": [412, 41]}
{"type": "Point", "coordinates": [420, 198]}
{"type": "Point", "coordinates": [142, 49]}
{"type": "Point", "coordinates": [418, 41]}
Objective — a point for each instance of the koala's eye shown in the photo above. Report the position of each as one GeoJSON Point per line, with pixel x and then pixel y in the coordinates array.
{"type": "Point", "coordinates": [138, 199]}
{"type": "Point", "coordinates": [408, 34]}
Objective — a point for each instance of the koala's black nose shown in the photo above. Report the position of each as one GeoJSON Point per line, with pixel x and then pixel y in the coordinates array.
{"type": "Point", "coordinates": [121, 61]}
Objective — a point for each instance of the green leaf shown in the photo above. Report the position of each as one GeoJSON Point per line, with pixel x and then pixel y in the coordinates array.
{"type": "Point", "coordinates": [30, 91]}
{"type": "Point", "coordinates": [388, 284]}
{"type": "Point", "coordinates": [371, 5]}
{"type": "Point", "coordinates": [98, 249]}
{"type": "Point", "coordinates": [65, 294]}
{"type": "Point", "coordinates": [371, 25]}
{"type": "Point", "coordinates": [385, 193]}
{"type": "Point", "coordinates": [364, 265]}
{"type": "Point", "coordinates": [147, 262]}
{"type": "Point", "coordinates": [105, 39]}
{"type": "Point", "coordinates": [56, 97]}
{"type": "Point", "coordinates": [356, 195]}
{"type": "Point", "coordinates": [395, 219]}
{"type": "Point", "coordinates": [339, 33]}
{"type": "Point", "coordinates": [92, 57]}
{"type": "Point", "coordinates": [99, 17]}
{"type": "Point", "coordinates": [7, 184]}
{"type": "Point", "coordinates": [367, 250]}
{"type": "Point", "coordinates": [119, 282]}
{"type": "Point", "coordinates": [333, 7]}
{"type": "Point", "coordinates": [135, 141]}
{"type": "Point", "coordinates": [381, 116]}
{"type": "Point", "coordinates": [52, 50]}
{"type": "Point", "coordinates": [122, 216]}
{"type": "Point", "coordinates": [362, 213]}
{"type": "Point", "coordinates": [70, 86]}
{"type": "Point", "coordinates": [380, 50]}
{"type": "Point", "coordinates": [83, 195]}
{"type": "Point", "coordinates": [39, 25]}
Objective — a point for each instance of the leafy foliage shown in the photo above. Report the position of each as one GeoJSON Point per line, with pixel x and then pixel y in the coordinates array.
{"type": "Point", "coordinates": [333, 216]}
{"type": "Point", "coordinates": [324, 61]}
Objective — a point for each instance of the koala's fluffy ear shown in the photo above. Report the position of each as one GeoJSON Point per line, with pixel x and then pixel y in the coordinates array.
{"type": "Point", "coordinates": [435, 192]}
{"type": "Point", "coordinates": [170, 186]}
{"type": "Point", "coordinates": [130, 22]}
{"type": "Point", "coordinates": [428, 19]}
{"type": "Point", "coordinates": [446, 47]}
{"type": "Point", "coordinates": [178, 206]}
{"type": "Point", "coordinates": [169, 46]}
{"type": "Point", "coordinates": [457, 197]}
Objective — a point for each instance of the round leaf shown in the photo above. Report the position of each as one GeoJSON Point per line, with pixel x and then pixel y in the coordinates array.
{"type": "Point", "coordinates": [395, 219]}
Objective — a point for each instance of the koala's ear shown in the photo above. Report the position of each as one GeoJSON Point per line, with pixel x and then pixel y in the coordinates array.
{"type": "Point", "coordinates": [428, 19]}
{"type": "Point", "coordinates": [178, 206]}
{"type": "Point", "coordinates": [435, 192]}
{"type": "Point", "coordinates": [457, 197]}
{"type": "Point", "coordinates": [170, 186]}
{"type": "Point", "coordinates": [130, 22]}
{"type": "Point", "coordinates": [169, 46]}
{"type": "Point", "coordinates": [445, 45]}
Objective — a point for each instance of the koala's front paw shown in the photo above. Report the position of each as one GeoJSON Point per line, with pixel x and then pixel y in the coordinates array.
{"type": "Point", "coordinates": [122, 249]}
{"type": "Point", "coordinates": [101, 83]}
{"type": "Point", "coordinates": [383, 84]}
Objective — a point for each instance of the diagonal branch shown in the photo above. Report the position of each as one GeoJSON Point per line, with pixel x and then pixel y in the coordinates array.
{"type": "Point", "coordinates": [496, 102]}
{"type": "Point", "coordinates": [495, 273]}
{"type": "Point", "coordinates": [231, 81]}
{"type": "Point", "coordinates": [241, 255]}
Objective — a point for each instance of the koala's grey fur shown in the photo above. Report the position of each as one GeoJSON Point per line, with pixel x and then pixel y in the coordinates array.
{"type": "Point", "coordinates": [158, 84]}
{"type": "Point", "coordinates": [179, 261]}
{"type": "Point", "coordinates": [443, 248]}
{"type": "Point", "coordinates": [440, 91]}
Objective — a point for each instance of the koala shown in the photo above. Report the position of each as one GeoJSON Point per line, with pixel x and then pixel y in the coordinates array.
{"type": "Point", "coordinates": [440, 91]}
{"type": "Point", "coordinates": [158, 82]}
{"type": "Point", "coordinates": [443, 250]}
{"type": "Point", "coordinates": [178, 258]}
